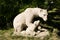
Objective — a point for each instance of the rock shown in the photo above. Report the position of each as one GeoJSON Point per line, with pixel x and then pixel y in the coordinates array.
{"type": "Point", "coordinates": [43, 34]}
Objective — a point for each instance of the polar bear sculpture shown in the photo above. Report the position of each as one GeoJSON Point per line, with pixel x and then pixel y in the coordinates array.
{"type": "Point", "coordinates": [25, 18]}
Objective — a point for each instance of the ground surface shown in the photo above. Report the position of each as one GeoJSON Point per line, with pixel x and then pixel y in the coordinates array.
{"type": "Point", "coordinates": [7, 35]}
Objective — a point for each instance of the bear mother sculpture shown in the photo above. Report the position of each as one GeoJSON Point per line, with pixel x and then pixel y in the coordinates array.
{"type": "Point", "coordinates": [25, 19]}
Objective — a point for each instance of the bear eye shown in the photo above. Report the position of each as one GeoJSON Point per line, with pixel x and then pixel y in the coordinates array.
{"type": "Point", "coordinates": [44, 14]}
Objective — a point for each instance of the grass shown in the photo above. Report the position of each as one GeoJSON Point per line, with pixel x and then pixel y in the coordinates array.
{"type": "Point", "coordinates": [7, 35]}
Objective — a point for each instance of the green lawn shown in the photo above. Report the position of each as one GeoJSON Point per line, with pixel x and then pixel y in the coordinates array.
{"type": "Point", "coordinates": [7, 35]}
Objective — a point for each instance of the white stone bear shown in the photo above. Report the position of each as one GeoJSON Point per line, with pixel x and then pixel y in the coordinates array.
{"type": "Point", "coordinates": [28, 30]}
{"type": "Point", "coordinates": [25, 19]}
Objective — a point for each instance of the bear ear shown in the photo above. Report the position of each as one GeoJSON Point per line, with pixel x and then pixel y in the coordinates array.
{"type": "Point", "coordinates": [45, 9]}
